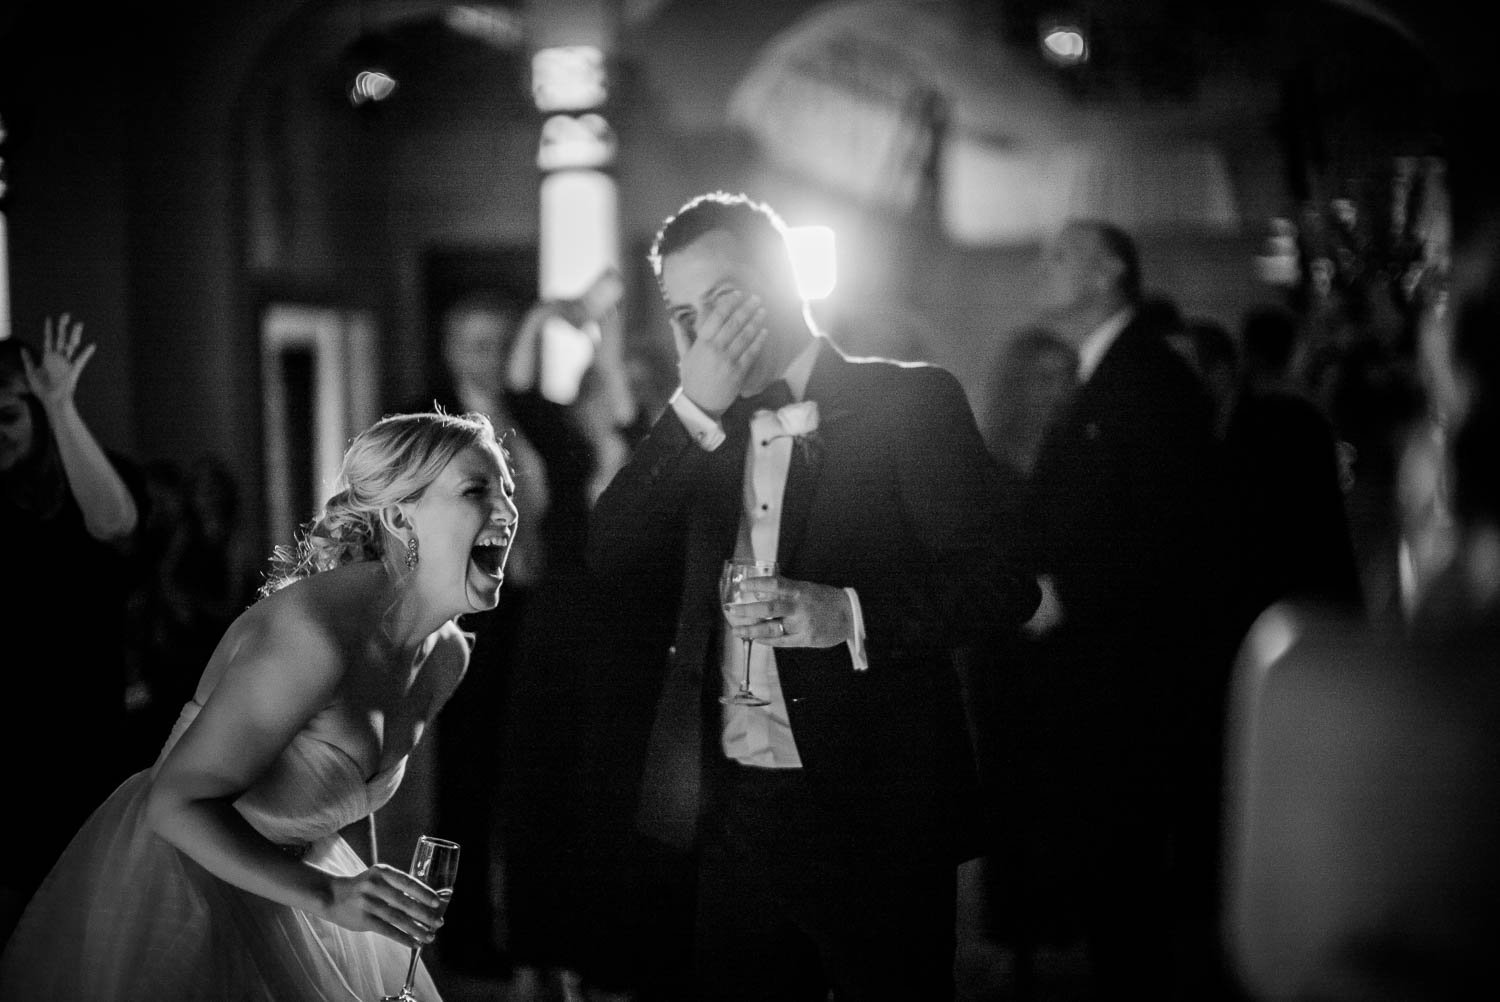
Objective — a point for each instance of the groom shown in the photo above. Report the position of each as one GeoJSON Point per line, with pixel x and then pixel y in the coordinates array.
{"type": "Point", "coordinates": [827, 825]}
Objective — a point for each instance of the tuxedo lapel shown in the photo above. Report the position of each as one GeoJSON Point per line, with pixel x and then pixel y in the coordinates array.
{"type": "Point", "coordinates": [672, 781]}
{"type": "Point", "coordinates": [802, 475]}
{"type": "Point", "coordinates": [726, 502]}
{"type": "Point", "coordinates": [800, 480]}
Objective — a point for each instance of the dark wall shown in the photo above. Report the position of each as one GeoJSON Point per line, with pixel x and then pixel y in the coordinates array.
{"type": "Point", "coordinates": [123, 210]}
{"type": "Point", "coordinates": [66, 215]}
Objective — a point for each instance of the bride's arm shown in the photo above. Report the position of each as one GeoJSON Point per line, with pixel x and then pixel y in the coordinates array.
{"type": "Point", "coordinates": [282, 668]}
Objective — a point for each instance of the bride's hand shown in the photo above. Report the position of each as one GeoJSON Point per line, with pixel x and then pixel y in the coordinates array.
{"type": "Point", "coordinates": [387, 901]}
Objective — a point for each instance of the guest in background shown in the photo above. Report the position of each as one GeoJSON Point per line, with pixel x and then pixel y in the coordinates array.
{"type": "Point", "coordinates": [1034, 378]}
{"type": "Point", "coordinates": [486, 350]}
{"type": "Point", "coordinates": [1282, 461]}
{"type": "Point", "coordinates": [1122, 522]}
{"type": "Point", "coordinates": [148, 719]}
{"type": "Point", "coordinates": [1210, 349]}
{"type": "Point", "coordinates": [1016, 706]}
{"type": "Point", "coordinates": [1371, 395]}
{"type": "Point", "coordinates": [651, 368]}
{"type": "Point", "coordinates": [1364, 801]}
{"type": "Point", "coordinates": [72, 516]}
{"type": "Point", "coordinates": [507, 754]}
{"type": "Point", "coordinates": [548, 795]}
{"type": "Point", "coordinates": [207, 576]}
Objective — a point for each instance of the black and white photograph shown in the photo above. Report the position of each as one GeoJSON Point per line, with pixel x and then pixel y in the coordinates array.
{"type": "Point", "coordinates": [750, 500]}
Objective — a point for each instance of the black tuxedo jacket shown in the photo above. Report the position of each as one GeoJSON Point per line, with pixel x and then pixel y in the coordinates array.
{"type": "Point", "coordinates": [1125, 512]}
{"type": "Point", "coordinates": [893, 497]}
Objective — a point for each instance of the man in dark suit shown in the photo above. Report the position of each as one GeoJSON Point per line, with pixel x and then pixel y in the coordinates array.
{"type": "Point", "coordinates": [1120, 526]}
{"type": "Point", "coordinates": [827, 825]}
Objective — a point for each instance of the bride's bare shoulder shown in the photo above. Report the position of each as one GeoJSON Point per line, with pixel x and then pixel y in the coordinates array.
{"type": "Point", "coordinates": [341, 595]}
{"type": "Point", "coordinates": [313, 621]}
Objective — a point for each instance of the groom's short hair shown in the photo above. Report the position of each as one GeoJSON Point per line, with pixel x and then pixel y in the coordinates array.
{"type": "Point", "coordinates": [754, 223]}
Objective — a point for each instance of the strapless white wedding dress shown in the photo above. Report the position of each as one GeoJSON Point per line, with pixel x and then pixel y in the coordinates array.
{"type": "Point", "coordinates": [124, 916]}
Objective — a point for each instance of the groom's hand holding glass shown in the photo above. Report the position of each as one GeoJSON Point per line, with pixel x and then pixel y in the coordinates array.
{"type": "Point", "coordinates": [781, 612]}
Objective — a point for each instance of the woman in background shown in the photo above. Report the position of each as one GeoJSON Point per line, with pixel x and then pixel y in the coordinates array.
{"type": "Point", "coordinates": [71, 513]}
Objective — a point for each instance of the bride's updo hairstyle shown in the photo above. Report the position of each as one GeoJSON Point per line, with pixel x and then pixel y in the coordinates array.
{"type": "Point", "coordinates": [394, 460]}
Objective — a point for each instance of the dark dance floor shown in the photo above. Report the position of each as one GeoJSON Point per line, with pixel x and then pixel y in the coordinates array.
{"type": "Point", "coordinates": [985, 971]}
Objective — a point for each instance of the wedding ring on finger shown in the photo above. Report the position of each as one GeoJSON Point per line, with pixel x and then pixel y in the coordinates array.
{"type": "Point", "coordinates": [781, 627]}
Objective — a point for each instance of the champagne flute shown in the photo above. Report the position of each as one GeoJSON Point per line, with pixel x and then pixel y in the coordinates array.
{"type": "Point", "coordinates": [731, 586]}
{"type": "Point", "coordinates": [435, 863]}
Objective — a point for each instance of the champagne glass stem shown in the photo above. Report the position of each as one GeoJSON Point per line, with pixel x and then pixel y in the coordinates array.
{"type": "Point", "coordinates": [411, 973]}
{"type": "Point", "coordinates": [745, 686]}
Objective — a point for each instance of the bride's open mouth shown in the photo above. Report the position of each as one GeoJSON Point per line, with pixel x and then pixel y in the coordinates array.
{"type": "Point", "coordinates": [489, 555]}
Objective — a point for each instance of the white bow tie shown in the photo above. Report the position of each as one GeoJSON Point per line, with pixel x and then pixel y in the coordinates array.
{"type": "Point", "coordinates": [799, 418]}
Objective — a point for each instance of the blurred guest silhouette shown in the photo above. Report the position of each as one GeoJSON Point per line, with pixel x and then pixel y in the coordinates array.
{"type": "Point", "coordinates": [147, 650]}
{"type": "Point", "coordinates": [72, 515]}
{"type": "Point", "coordinates": [1282, 461]}
{"type": "Point", "coordinates": [550, 799]}
{"type": "Point", "coordinates": [1015, 704]}
{"type": "Point", "coordinates": [505, 751]}
{"type": "Point", "coordinates": [1210, 349]}
{"type": "Point", "coordinates": [478, 334]}
{"type": "Point", "coordinates": [651, 369]}
{"type": "Point", "coordinates": [1364, 802]}
{"type": "Point", "coordinates": [208, 577]}
{"type": "Point", "coordinates": [1364, 805]}
{"type": "Point", "coordinates": [1371, 395]}
{"type": "Point", "coordinates": [1122, 524]}
{"type": "Point", "coordinates": [1035, 376]}
{"type": "Point", "coordinates": [1363, 809]}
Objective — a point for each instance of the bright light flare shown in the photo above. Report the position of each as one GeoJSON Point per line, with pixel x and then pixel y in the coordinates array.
{"type": "Point", "coordinates": [371, 85]}
{"type": "Point", "coordinates": [813, 260]}
{"type": "Point", "coordinates": [573, 141]}
{"type": "Point", "coordinates": [579, 238]}
{"type": "Point", "coordinates": [568, 78]}
{"type": "Point", "coordinates": [1065, 44]}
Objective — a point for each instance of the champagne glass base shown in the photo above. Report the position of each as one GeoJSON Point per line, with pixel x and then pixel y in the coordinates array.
{"type": "Point", "coordinates": [744, 699]}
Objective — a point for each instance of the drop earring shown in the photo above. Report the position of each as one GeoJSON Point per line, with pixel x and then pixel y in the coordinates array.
{"type": "Point", "coordinates": [411, 554]}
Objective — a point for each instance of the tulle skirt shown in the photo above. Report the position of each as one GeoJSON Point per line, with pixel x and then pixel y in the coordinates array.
{"type": "Point", "coordinates": [124, 916]}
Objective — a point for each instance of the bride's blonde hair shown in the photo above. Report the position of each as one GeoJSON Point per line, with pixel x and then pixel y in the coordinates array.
{"type": "Point", "coordinates": [393, 461]}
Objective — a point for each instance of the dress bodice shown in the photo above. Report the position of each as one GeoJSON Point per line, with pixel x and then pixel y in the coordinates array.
{"type": "Point", "coordinates": [311, 791]}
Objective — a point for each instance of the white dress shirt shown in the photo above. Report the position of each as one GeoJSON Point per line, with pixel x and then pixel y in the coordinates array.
{"type": "Point", "coordinates": [762, 735]}
{"type": "Point", "coordinates": [1094, 347]}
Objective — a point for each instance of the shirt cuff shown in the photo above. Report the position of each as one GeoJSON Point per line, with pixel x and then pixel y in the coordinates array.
{"type": "Point", "coordinates": [857, 641]}
{"type": "Point", "coordinates": [707, 432]}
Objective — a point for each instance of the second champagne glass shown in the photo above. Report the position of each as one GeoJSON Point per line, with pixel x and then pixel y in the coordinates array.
{"type": "Point", "coordinates": [435, 863]}
{"type": "Point", "coordinates": [731, 585]}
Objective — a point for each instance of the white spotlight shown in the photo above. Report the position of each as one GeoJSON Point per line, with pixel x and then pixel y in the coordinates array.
{"type": "Point", "coordinates": [1065, 44]}
{"type": "Point", "coordinates": [568, 78]}
{"type": "Point", "coordinates": [813, 260]}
